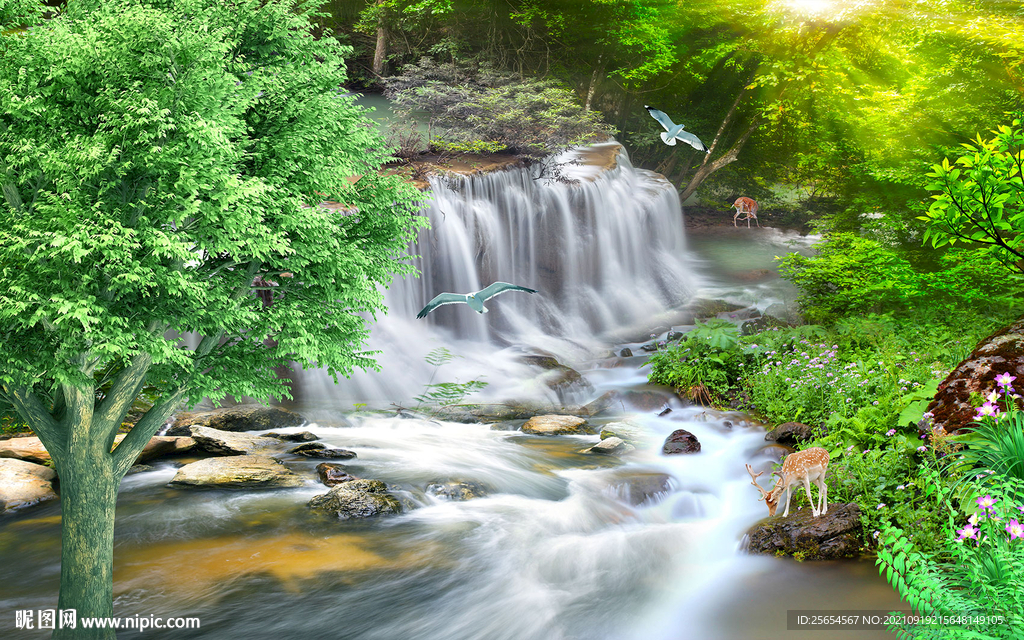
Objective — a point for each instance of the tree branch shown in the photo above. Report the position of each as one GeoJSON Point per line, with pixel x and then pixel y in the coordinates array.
{"type": "Point", "coordinates": [51, 433]}
{"type": "Point", "coordinates": [128, 450]}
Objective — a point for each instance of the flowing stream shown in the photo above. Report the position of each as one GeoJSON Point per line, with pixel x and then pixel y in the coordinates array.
{"type": "Point", "coordinates": [563, 545]}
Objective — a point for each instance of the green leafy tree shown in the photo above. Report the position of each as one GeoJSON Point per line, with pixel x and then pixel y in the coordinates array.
{"type": "Point", "coordinates": [161, 167]}
{"type": "Point", "coordinates": [980, 197]}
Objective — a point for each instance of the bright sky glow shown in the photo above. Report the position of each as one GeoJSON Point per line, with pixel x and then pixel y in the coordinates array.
{"type": "Point", "coordinates": [811, 6]}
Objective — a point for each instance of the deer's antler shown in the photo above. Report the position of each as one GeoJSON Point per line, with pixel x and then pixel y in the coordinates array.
{"type": "Point", "coordinates": [753, 481]}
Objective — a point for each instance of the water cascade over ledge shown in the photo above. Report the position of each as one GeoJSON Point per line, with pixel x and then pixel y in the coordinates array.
{"type": "Point", "coordinates": [605, 251]}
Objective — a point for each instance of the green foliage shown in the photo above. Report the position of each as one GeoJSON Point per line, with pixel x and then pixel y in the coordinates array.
{"type": "Point", "coordinates": [719, 334]}
{"type": "Point", "coordinates": [476, 105]}
{"type": "Point", "coordinates": [885, 483]}
{"type": "Point", "coordinates": [994, 445]}
{"type": "Point", "coordinates": [983, 574]}
{"type": "Point", "coordinates": [471, 146]}
{"type": "Point", "coordinates": [980, 197]}
{"type": "Point", "coordinates": [442, 396]}
{"type": "Point", "coordinates": [705, 364]}
{"type": "Point", "coordinates": [852, 275]}
{"type": "Point", "coordinates": [144, 192]}
{"type": "Point", "coordinates": [19, 13]}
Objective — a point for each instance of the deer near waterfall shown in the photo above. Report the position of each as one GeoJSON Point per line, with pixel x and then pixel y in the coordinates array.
{"type": "Point", "coordinates": [746, 207]}
{"type": "Point", "coordinates": [800, 467]}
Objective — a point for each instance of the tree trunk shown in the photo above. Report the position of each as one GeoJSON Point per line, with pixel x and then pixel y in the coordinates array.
{"type": "Point", "coordinates": [88, 497]}
{"type": "Point", "coordinates": [381, 51]}
{"type": "Point", "coordinates": [598, 72]}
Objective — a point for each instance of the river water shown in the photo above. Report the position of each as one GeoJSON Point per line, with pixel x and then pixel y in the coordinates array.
{"type": "Point", "coordinates": [563, 545]}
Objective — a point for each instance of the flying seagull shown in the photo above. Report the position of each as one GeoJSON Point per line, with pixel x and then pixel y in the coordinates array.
{"type": "Point", "coordinates": [675, 131]}
{"type": "Point", "coordinates": [474, 300]}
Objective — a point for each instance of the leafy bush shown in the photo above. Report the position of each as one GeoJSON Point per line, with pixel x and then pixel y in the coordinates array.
{"type": "Point", "coordinates": [472, 103]}
{"type": "Point", "coordinates": [852, 275]}
{"type": "Point", "coordinates": [977, 571]}
{"type": "Point", "coordinates": [704, 365]}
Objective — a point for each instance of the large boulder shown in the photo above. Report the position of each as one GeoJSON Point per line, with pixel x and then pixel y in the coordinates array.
{"type": "Point", "coordinates": [792, 433]}
{"type": "Point", "coordinates": [244, 417]}
{"type": "Point", "coordinates": [555, 425]}
{"type": "Point", "coordinates": [680, 441]}
{"type": "Point", "coordinates": [32, 450]}
{"type": "Point", "coordinates": [237, 472]}
{"type": "Point", "coordinates": [23, 484]}
{"type": "Point", "coordinates": [228, 443]}
{"type": "Point", "coordinates": [837, 534]}
{"type": "Point", "coordinates": [356, 499]}
{"type": "Point", "coordinates": [29, 449]}
{"type": "Point", "coordinates": [1001, 352]}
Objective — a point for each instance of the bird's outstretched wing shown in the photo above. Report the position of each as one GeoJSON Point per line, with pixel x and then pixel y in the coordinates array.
{"type": "Point", "coordinates": [692, 140]}
{"type": "Point", "coordinates": [500, 287]}
{"type": "Point", "coordinates": [661, 117]}
{"type": "Point", "coordinates": [440, 299]}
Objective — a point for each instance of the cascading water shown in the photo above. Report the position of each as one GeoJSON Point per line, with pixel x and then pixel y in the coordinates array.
{"type": "Point", "coordinates": [561, 545]}
{"type": "Point", "coordinates": [604, 252]}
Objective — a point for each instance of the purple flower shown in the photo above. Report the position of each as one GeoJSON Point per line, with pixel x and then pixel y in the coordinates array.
{"type": "Point", "coordinates": [922, 448]}
{"type": "Point", "coordinates": [1015, 529]}
{"type": "Point", "coordinates": [987, 409]}
{"type": "Point", "coordinates": [987, 502]}
{"type": "Point", "coordinates": [890, 432]}
{"type": "Point", "coordinates": [1004, 379]}
{"type": "Point", "coordinates": [967, 532]}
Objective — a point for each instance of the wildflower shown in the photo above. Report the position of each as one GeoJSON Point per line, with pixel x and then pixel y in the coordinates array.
{"type": "Point", "coordinates": [993, 397]}
{"type": "Point", "coordinates": [875, 535]}
{"type": "Point", "coordinates": [1004, 379]}
{"type": "Point", "coordinates": [1015, 529]}
{"type": "Point", "coordinates": [967, 532]}
{"type": "Point", "coordinates": [875, 403]}
{"type": "Point", "coordinates": [922, 448]}
{"type": "Point", "coordinates": [901, 487]}
{"type": "Point", "coordinates": [987, 502]}
{"type": "Point", "coordinates": [890, 432]}
{"type": "Point", "coordinates": [881, 505]}
{"type": "Point", "coordinates": [866, 451]}
{"type": "Point", "coordinates": [987, 409]}
{"type": "Point", "coordinates": [973, 519]}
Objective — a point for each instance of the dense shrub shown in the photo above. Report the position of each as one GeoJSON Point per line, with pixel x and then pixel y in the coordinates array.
{"type": "Point", "coordinates": [853, 275]}
{"type": "Point", "coordinates": [471, 104]}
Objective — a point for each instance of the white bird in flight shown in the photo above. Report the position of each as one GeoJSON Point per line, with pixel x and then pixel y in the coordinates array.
{"type": "Point", "coordinates": [675, 131]}
{"type": "Point", "coordinates": [474, 300]}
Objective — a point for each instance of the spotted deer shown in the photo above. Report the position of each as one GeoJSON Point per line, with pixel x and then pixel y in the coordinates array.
{"type": "Point", "coordinates": [800, 467]}
{"type": "Point", "coordinates": [747, 207]}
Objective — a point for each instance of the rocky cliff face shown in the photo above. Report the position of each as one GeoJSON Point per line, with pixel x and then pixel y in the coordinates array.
{"type": "Point", "coordinates": [1001, 352]}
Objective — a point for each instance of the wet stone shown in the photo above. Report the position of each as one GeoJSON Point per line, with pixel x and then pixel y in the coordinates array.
{"type": "Point", "coordinates": [680, 441]}
{"type": "Point", "coordinates": [332, 474]}
{"type": "Point", "coordinates": [302, 436]}
{"type": "Point", "coordinates": [320, 450]}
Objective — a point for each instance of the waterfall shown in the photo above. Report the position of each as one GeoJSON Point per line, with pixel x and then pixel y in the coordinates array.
{"type": "Point", "coordinates": [605, 249]}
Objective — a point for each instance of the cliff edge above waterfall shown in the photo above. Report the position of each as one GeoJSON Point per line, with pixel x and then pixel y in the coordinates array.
{"type": "Point", "coordinates": [603, 157]}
